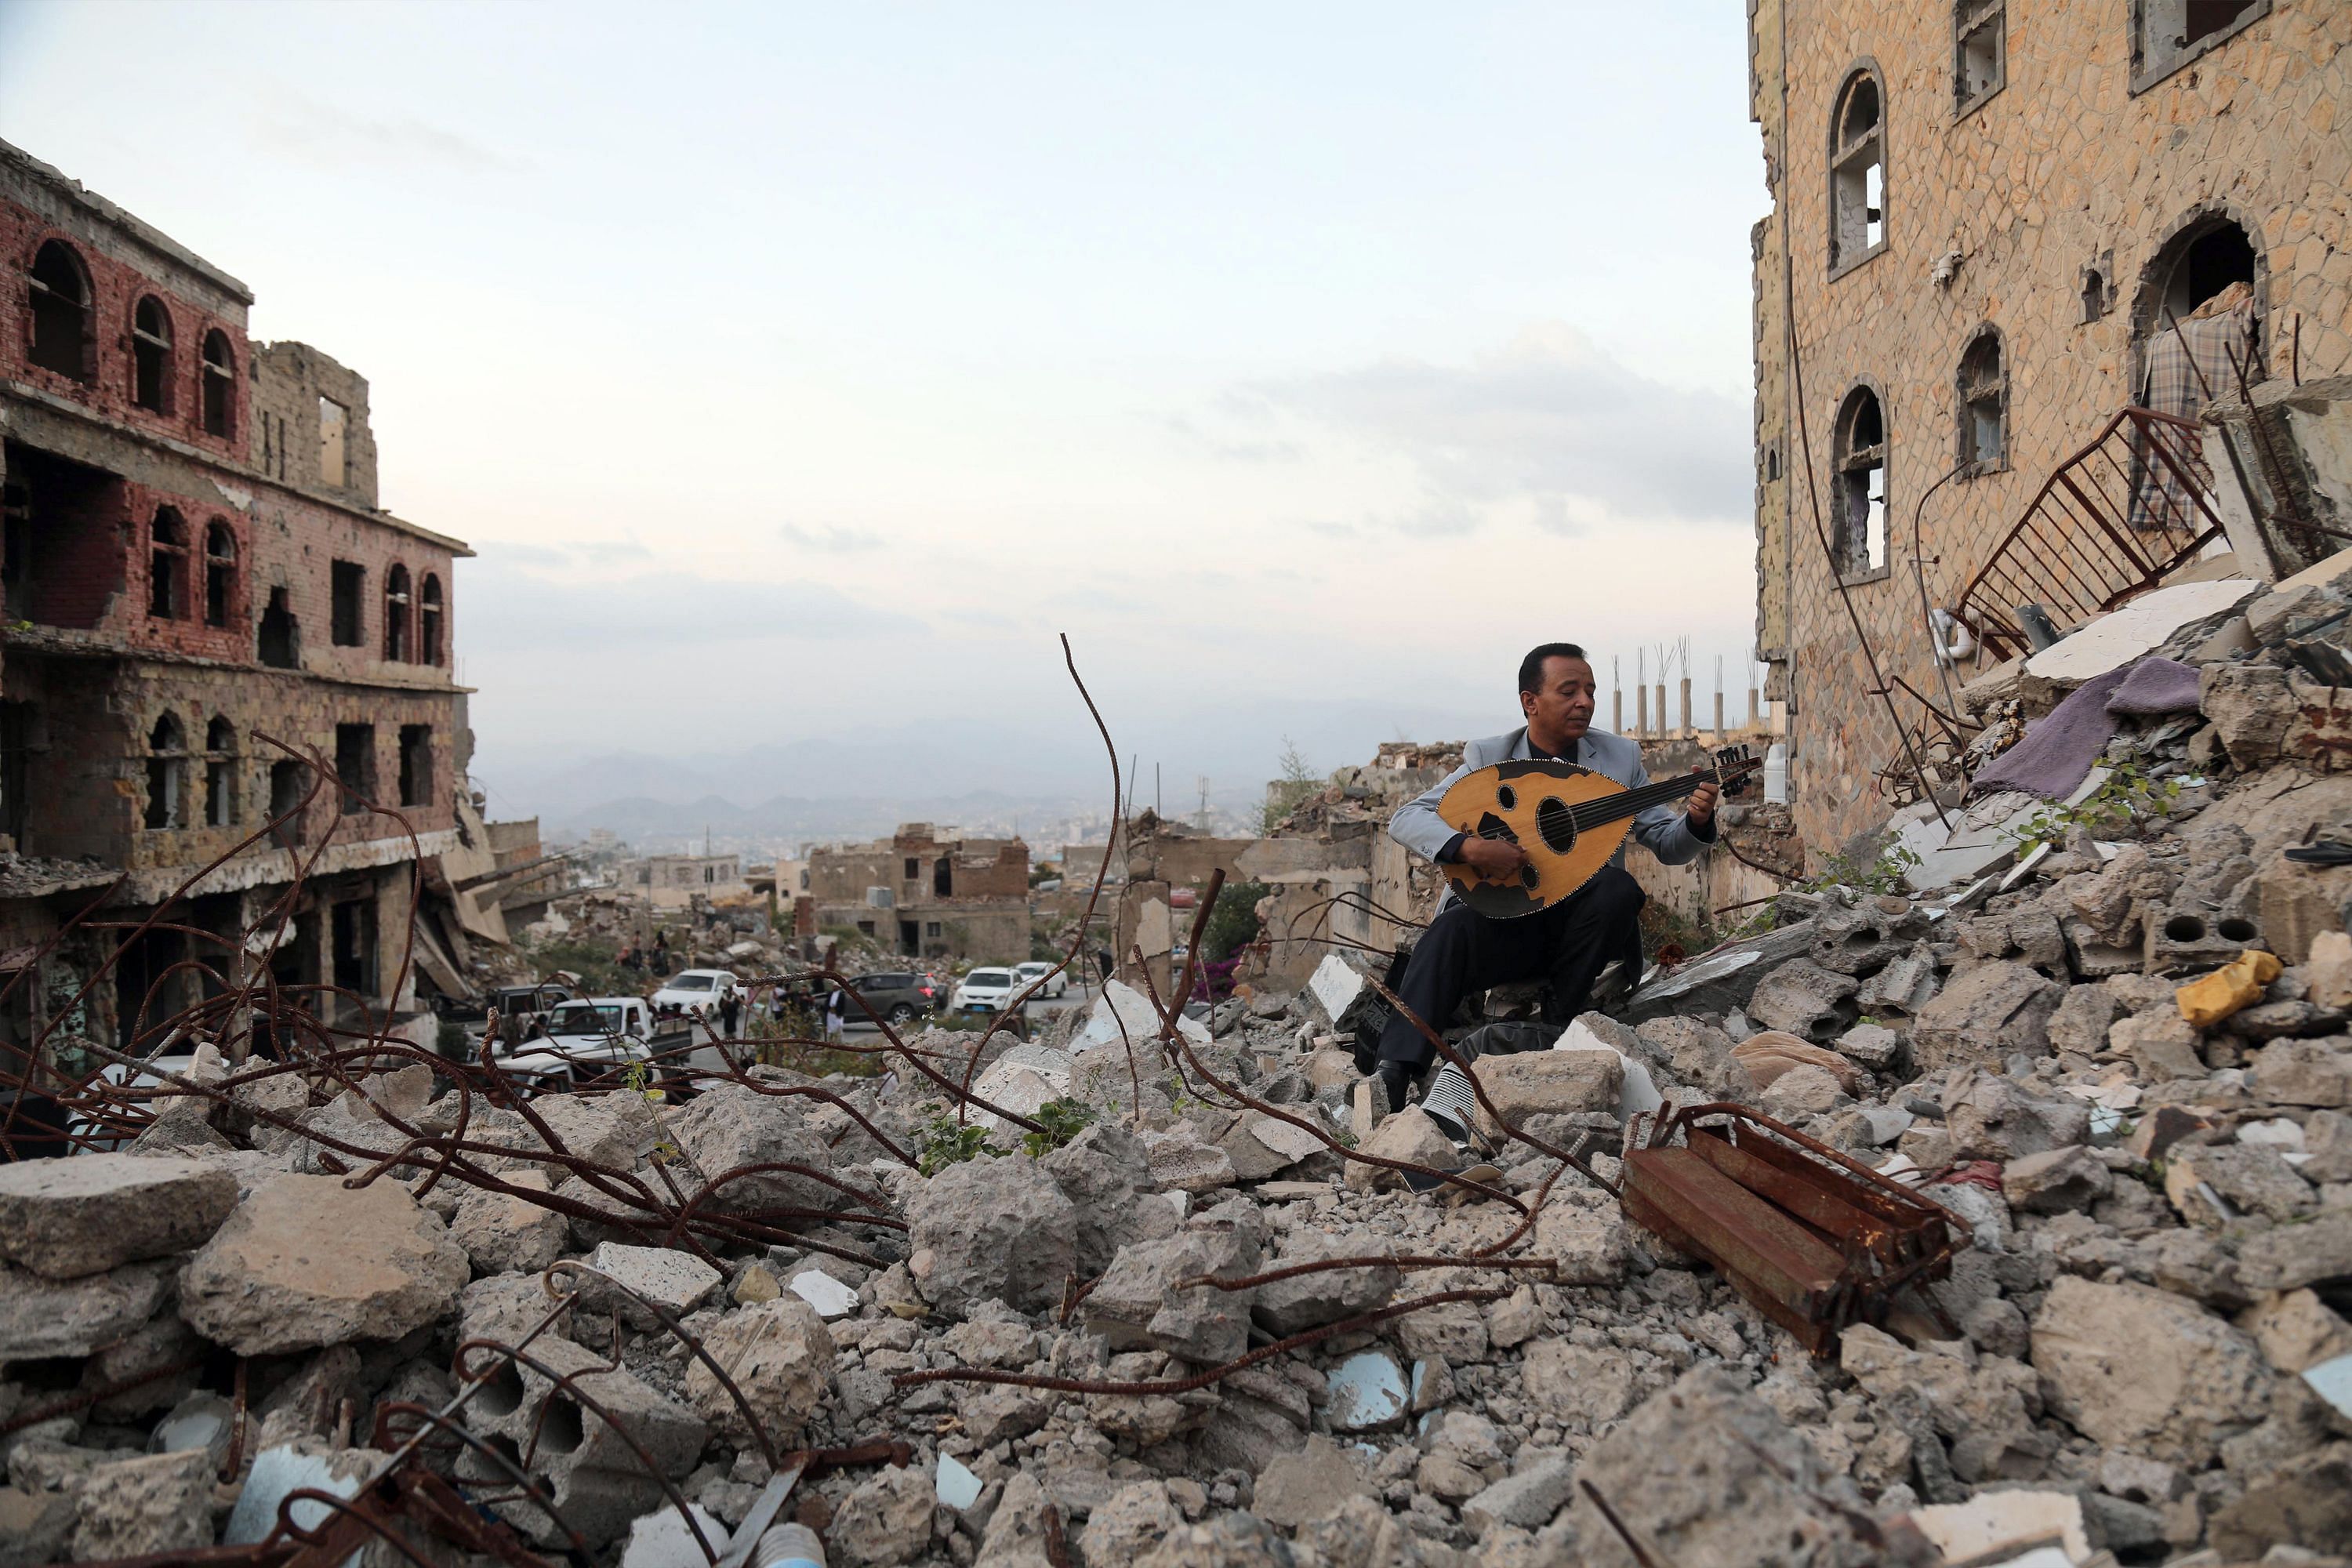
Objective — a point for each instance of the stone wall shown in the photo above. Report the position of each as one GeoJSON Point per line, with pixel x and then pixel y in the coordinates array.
{"type": "Point", "coordinates": [1998, 214]}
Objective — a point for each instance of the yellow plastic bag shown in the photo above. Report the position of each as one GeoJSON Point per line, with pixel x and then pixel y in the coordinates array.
{"type": "Point", "coordinates": [2209, 998]}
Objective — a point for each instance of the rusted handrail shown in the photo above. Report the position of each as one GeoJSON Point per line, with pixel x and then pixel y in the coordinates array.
{"type": "Point", "coordinates": [2109, 522]}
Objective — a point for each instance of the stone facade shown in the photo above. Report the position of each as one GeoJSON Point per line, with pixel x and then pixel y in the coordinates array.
{"type": "Point", "coordinates": [2057, 181]}
{"type": "Point", "coordinates": [207, 625]}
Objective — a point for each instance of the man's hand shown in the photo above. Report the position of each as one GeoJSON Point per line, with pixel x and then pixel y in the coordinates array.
{"type": "Point", "coordinates": [1701, 809]}
{"type": "Point", "coordinates": [1492, 858]}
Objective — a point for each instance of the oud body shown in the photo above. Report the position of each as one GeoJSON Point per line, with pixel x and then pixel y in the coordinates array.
{"type": "Point", "coordinates": [1570, 820]}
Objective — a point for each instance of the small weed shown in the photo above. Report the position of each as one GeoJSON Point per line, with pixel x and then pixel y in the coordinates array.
{"type": "Point", "coordinates": [1884, 875]}
{"type": "Point", "coordinates": [947, 1141]}
{"type": "Point", "coordinates": [1063, 1119]}
{"type": "Point", "coordinates": [2117, 806]}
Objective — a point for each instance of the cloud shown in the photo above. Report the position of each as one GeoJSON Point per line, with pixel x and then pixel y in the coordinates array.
{"type": "Point", "coordinates": [507, 604]}
{"type": "Point", "coordinates": [1550, 429]}
{"type": "Point", "coordinates": [832, 541]}
{"type": "Point", "coordinates": [331, 137]}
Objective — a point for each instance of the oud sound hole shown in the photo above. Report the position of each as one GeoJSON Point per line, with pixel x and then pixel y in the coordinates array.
{"type": "Point", "coordinates": [1507, 797]}
{"type": "Point", "coordinates": [1555, 825]}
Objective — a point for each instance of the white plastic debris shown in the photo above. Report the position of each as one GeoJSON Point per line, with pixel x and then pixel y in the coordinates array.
{"type": "Point", "coordinates": [956, 1485]}
{"type": "Point", "coordinates": [661, 1540]}
{"type": "Point", "coordinates": [1636, 1092]}
{"type": "Point", "coordinates": [1367, 1391]}
{"type": "Point", "coordinates": [2332, 1381]}
{"type": "Point", "coordinates": [830, 1297]}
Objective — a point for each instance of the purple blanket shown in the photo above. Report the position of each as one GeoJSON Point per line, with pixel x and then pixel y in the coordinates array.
{"type": "Point", "coordinates": [2058, 750]}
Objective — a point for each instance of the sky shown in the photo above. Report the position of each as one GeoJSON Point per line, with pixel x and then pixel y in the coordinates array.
{"type": "Point", "coordinates": [802, 370]}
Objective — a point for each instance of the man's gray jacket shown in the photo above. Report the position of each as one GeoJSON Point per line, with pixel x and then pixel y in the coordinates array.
{"type": "Point", "coordinates": [1666, 832]}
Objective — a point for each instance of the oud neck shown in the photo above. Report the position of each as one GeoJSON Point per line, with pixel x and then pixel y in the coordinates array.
{"type": "Point", "coordinates": [1633, 801]}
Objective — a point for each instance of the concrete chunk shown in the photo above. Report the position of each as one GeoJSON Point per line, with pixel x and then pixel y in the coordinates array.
{"type": "Point", "coordinates": [66, 1218]}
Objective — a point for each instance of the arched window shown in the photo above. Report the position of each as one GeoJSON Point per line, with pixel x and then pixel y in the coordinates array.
{"type": "Point", "coordinates": [1983, 405]}
{"type": "Point", "coordinates": [150, 355]}
{"type": "Point", "coordinates": [1979, 52]}
{"type": "Point", "coordinates": [279, 639]}
{"type": "Point", "coordinates": [220, 573]}
{"type": "Point", "coordinates": [220, 385]}
{"type": "Point", "coordinates": [220, 773]}
{"type": "Point", "coordinates": [428, 621]}
{"type": "Point", "coordinates": [1857, 172]}
{"type": "Point", "coordinates": [2207, 278]}
{"type": "Point", "coordinates": [1859, 484]}
{"type": "Point", "coordinates": [167, 566]}
{"type": "Point", "coordinates": [395, 614]}
{"type": "Point", "coordinates": [167, 774]}
{"type": "Point", "coordinates": [62, 338]}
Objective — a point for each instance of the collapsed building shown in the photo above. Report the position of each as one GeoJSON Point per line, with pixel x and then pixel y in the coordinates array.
{"type": "Point", "coordinates": [1987, 219]}
{"type": "Point", "coordinates": [927, 897]}
{"type": "Point", "coordinates": [205, 607]}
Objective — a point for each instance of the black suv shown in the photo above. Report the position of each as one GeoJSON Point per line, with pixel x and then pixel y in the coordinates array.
{"type": "Point", "coordinates": [899, 997]}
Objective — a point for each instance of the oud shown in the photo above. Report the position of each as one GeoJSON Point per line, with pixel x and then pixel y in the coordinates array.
{"type": "Point", "coordinates": [1568, 820]}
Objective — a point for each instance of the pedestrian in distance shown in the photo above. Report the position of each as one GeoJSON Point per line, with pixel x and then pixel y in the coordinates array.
{"type": "Point", "coordinates": [730, 1009]}
{"type": "Point", "coordinates": [836, 1013]}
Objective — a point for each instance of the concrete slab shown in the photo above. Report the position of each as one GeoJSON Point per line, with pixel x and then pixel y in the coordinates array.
{"type": "Point", "coordinates": [2125, 633]}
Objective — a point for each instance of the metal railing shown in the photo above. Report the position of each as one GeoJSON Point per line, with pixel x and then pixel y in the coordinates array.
{"type": "Point", "coordinates": [2110, 523]}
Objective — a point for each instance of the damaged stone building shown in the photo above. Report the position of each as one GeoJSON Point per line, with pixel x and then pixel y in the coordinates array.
{"type": "Point", "coordinates": [1986, 217]}
{"type": "Point", "coordinates": [205, 603]}
{"type": "Point", "coordinates": [928, 896]}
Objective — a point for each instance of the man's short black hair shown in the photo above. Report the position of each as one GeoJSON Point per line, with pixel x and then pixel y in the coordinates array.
{"type": "Point", "coordinates": [1531, 667]}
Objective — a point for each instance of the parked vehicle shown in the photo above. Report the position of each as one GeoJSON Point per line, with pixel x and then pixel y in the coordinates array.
{"type": "Point", "coordinates": [1031, 973]}
{"type": "Point", "coordinates": [518, 1007]}
{"type": "Point", "coordinates": [694, 991]}
{"type": "Point", "coordinates": [897, 996]}
{"type": "Point", "coordinates": [587, 1038]}
{"type": "Point", "coordinates": [985, 991]}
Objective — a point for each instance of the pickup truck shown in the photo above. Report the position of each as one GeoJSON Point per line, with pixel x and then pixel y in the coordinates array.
{"type": "Point", "coordinates": [589, 1038]}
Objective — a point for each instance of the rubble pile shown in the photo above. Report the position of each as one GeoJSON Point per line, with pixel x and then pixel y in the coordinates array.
{"type": "Point", "coordinates": [1179, 1289]}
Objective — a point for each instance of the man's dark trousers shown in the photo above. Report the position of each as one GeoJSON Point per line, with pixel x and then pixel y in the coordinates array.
{"type": "Point", "coordinates": [1462, 952]}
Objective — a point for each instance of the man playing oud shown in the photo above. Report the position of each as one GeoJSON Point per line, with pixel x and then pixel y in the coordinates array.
{"type": "Point", "coordinates": [1568, 943]}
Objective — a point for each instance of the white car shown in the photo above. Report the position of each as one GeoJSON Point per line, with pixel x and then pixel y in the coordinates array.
{"type": "Point", "coordinates": [985, 991]}
{"type": "Point", "coordinates": [584, 1040]}
{"type": "Point", "coordinates": [1031, 973]}
{"type": "Point", "coordinates": [693, 990]}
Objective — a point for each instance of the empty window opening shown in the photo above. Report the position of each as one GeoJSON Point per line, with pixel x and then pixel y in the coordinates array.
{"type": "Point", "coordinates": [395, 614]}
{"type": "Point", "coordinates": [1979, 62]}
{"type": "Point", "coordinates": [167, 774]}
{"type": "Point", "coordinates": [1860, 485]}
{"type": "Point", "coordinates": [279, 643]}
{"type": "Point", "coordinates": [220, 387]}
{"type": "Point", "coordinates": [1857, 173]}
{"type": "Point", "coordinates": [416, 764]}
{"type": "Point", "coordinates": [428, 621]}
{"type": "Point", "coordinates": [914, 869]}
{"type": "Point", "coordinates": [220, 773]}
{"type": "Point", "coordinates": [710, 874]}
{"type": "Point", "coordinates": [942, 877]}
{"type": "Point", "coordinates": [62, 533]}
{"type": "Point", "coordinates": [348, 580]}
{"type": "Point", "coordinates": [2209, 262]}
{"type": "Point", "coordinates": [2168, 34]}
{"type": "Point", "coordinates": [354, 944]}
{"type": "Point", "coordinates": [17, 721]}
{"type": "Point", "coordinates": [150, 355]}
{"type": "Point", "coordinates": [931, 929]}
{"type": "Point", "coordinates": [167, 566]}
{"type": "Point", "coordinates": [220, 575]}
{"type": "Point", "coordinates": [1772, 462]}
{"type": "Point", "coordinates": [330, 441]}
{"type": "Point", "coordinates": [286, 788]}
{"type": "Point", "coordinates": [61, 310]}
{"type": "Point", "coordinates": [2095, 297]}
{"type": "Point", "coordinates": [1984, 406]}
{"type": "Point", "coordinates": [355, 765]}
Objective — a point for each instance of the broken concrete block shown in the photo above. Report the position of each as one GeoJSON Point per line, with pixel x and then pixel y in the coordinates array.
{"type": "Point", "coordinates": [2251, 1178]}
{"type": "Point", "coordinates": [1907, 984]}
{"type": "Point", "coordinates": [2303, 1072]}
{"type": "Point", "coordinates": [1408, 1135]}
{"type": "Point", "coordinates": [2055, 1180]}
{"type": "Point", "coordinates": [66, 1218]}
{"type": "Point", "coordinates": [779, 1354]}
{"type": "Point", "coordinates": [884, 1521]}
{"type": "Point", "coordinates": [41, 1319]}
{"type": "Point", "coordinates": [502, 1233]}
{"type": "Point", "coordinates": [2005, 1521]}
{"type": "Point", "coordinates": [1805, 1000]}
{"type": "Point", "coordinates": [34, 1526]}
{"type": "Point", "coordinates": [1298, 1488]}
{"type": "Point", "coordinates": [2328, 971]}
{"type": "Point", "coordinates": [726, 1129]}
{"type": "Point", "coordinates": [2252, 709]}
{"type": "Point", "coordinates": [1581, 1385]}
{"type": "Point", "coordinates": [1872, 1045]}
{"type": "Point", "coordinates": [2144, 1370]}
{"type": "Point", "coordinates": [2297, 1330]}
{"type": "Point", "coordinates": [677, 1282]}
{"type": "Point", "coordinates": [2163, 1045]}
{"type": "Point", "coordinates": [305, 1262]}
{"type": "Point", "coordinates": [1182, 1162]}
{"type": "Point", "coordinates": [2289, 1256]}
{"type": "Point", "coordinates": [1705, 1472]}
{"type": "Point", "coordinates": [133, 1508]}
{"type": "Point", "coordinates": [1106, 1173]}
{"type": "Point", "coordinates": [1544, 1083]}
{"type": "Point", "coordinates": [1985, 1015]}
{"type": "Point", "coordinates": [1527, 1500]}
{"type": "Point", "coordinates": [1993, 1118]}
{"type": "Point", "coordinates": [992, 1228]}
{"type": "Point", "coordinates": [1584, 1232]}
{"type": "Point", "coordinates": [2080, 1022]}
{"type": "Point", "coordinates": [1143, 1302]}
{"type": "Point", "coordinates": [1286, 1307]}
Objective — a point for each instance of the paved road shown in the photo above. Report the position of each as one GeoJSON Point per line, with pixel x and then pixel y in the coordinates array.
{"type": "Point", "coordinates": [1040, 1012]}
